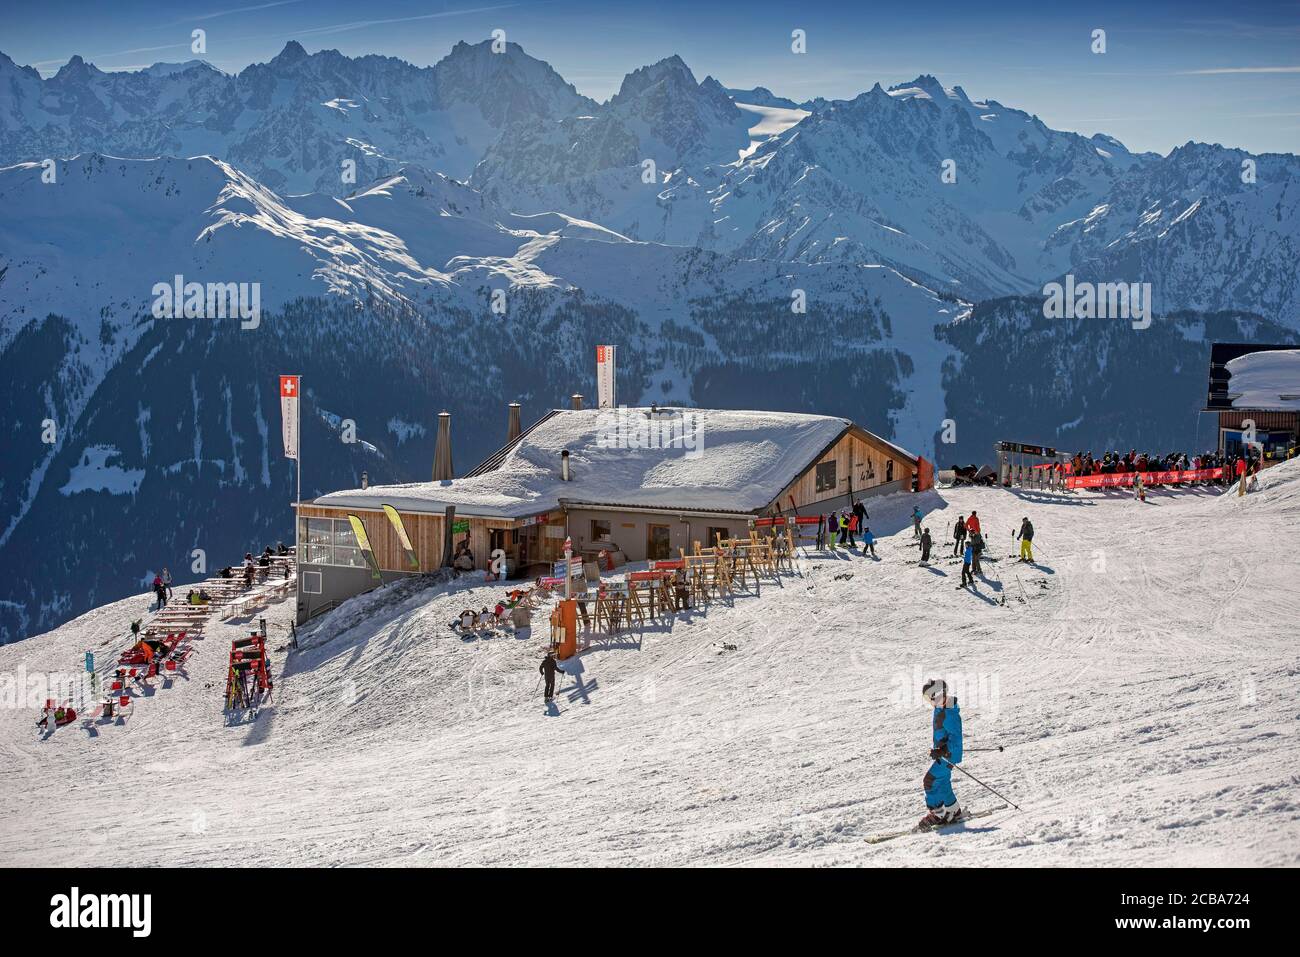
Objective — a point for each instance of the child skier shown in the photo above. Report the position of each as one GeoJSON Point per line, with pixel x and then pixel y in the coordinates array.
{"type": "Point", "coordinates": [916, 522]}
{"type": "Point", "coordinates": [868, 542]}
{"type": "Point", "coordinates": [925, 547]}
{"type": "Point", "coordinates": [968, 556]}
{"type": "Point", "coordinates": [1026, 536]}
{"type": "Point", "coordinates": [940, 801]}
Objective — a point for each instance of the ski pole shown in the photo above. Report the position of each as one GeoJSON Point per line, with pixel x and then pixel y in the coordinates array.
{"type": "Point", "coordinates": [998, 748]}
{"type": "Point", "coordinates": [982, 784]}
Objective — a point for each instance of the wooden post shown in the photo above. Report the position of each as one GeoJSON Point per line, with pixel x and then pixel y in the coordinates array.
{"type": "Point", "coordinates": [448, 520]}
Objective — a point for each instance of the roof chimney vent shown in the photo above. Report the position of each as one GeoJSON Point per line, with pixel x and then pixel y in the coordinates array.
{"type": "Point", "coordinates": [576, 400]}
{"type": "Point", "coordinates": [442, 468]}
{"type": "Point", "coordinates": [512, 423]}
{"type": "Point", "coordinates": [564, 466]}
{"type": "Point", "coordinates": [365, 480]}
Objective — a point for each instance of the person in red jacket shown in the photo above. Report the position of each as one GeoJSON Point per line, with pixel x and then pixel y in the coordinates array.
{"type": "Point", "coordinates": [973, 523]}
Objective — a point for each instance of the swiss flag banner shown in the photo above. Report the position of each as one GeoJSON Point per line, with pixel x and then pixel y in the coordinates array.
{"type": "Point", "coordinates": [289, 414]}
{"type": "Point", "coordinates": [605, 360]}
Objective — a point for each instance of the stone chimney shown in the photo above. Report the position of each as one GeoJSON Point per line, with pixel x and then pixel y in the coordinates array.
{"type": "Point", "coordinates": [365, 480]}
{"type": "Point", "coordinates": [512, 423]}
{"type": "Point", "coordinates": [442, 468]}
{"type": "Point", "coordinates": [576, 400]}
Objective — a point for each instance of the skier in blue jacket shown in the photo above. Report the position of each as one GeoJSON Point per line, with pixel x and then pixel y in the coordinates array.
{"type": "Point", "coordinates": [939, 798]}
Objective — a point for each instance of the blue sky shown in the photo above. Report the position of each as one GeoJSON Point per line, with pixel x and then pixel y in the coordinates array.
{"type": "Point", "coordinates": [1172, 72]}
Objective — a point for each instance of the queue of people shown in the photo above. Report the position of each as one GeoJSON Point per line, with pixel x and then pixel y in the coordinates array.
{"type": "Point", "coordinates": [1235, 464]}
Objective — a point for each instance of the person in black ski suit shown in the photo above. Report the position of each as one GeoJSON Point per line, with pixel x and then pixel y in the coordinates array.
{"type": "Point", "coordinates": [977, 549]}
{"type": "Point", "coordinates": [925, 546]}
{"type": "Point", "coordinates": [548, 668]}
{"type": "Point", "coordinates": [860, 511]}
{"type": "Point", "coordinates": [959, 535]}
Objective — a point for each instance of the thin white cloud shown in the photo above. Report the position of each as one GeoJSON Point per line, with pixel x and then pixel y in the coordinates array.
{"type": "Point", "coordinates": [362, 24]}
{"type": "Point", "coordinates": [99, 56]}
{"type": "Point", "coordinates": [1240, 69]}
{"type": "Point", "coordinates": [226, 13]}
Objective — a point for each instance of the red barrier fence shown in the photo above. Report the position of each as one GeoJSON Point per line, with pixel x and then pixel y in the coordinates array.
{"type": "Point", "coordinates": [1121, 479]}
{"type": "Point", "coordinates": [650, 576]}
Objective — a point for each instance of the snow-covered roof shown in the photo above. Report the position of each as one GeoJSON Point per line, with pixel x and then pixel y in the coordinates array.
{"type": "Point", "coordinates": [1267, 380]}
{"type": "Point", "coordinates": [695, 459]}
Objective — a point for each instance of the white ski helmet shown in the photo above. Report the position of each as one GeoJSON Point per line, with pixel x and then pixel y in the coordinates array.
{"type": "Point", "coordinates": [934, 690]}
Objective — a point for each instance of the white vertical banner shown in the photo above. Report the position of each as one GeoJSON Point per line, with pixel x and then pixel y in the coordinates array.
{"type": "Point", "coordinates": [605, 376]}
{"type": "Point", "coordinates": [289, 414]}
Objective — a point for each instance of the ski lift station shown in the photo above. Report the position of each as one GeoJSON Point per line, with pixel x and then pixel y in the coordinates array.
{"type": "Point", "coordinates": [640, 483]}
{"type": "Point", "coordinates": [1255, 390]}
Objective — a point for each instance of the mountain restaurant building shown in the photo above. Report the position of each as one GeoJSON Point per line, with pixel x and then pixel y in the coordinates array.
{"type": "Point", "coordinates": [1255, 389]}
{"type": "Point", "coordinates": [644, 482]}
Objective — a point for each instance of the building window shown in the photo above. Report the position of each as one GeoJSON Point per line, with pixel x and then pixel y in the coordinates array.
{"type": "Point", "coordinates": [600, 530]}
{"type": "Point", "coordinates": [718, 531]}
{"type": "Point", "coordinates": [889, 471]}
{"type": "Point", "coordinates": [826, 479]}
{"type": "Point", "coordinates": [330, 541]}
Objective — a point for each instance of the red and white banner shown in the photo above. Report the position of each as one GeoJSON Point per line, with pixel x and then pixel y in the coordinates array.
{"type": "Point", "coordinates": [1121, 479]}
{"type": "Point", "coordinates": [289, 414]}
{"type": "Point", "coordinates": [605, 376]}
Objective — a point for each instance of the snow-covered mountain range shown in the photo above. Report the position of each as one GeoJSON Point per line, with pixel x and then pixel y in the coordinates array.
{"type": "Point", "coordinates": [500, 225]}
{"type": "Point", "coordinates": [290, 123]}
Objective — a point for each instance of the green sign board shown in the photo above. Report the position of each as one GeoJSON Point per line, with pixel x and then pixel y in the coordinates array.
{"type": "Point", "coordinates": [458, 527]}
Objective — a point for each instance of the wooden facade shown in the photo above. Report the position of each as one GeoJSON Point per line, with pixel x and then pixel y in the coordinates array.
{"type": "Point", "coordinates": [863, 464]}
{"type": "Point", "coordinates": [426, 534]}
{"type": "Point", "coordinates": [1262, 419]}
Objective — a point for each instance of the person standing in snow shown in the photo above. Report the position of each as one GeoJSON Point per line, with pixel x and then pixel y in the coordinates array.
{"type": "Point", "coordinates": [925, 547]}
{"type": "Point", "coordinates": [860, 511]}
{"type": "Point", "coordinates": [868, 542]}
{"type": "Point", "coordinates": [681, 591]}
{"type": "Point", "coordinates": [916, 522]}
{"type": "Point", "coordinates": [832, 529]}
{"type": "Point", "coordinates": [167, 580]}
{"type": "Point", "coordinates": [958, 535]}
{"type": "Point", "coordinates": [976, 540]}
{"type": "Point", "coordinates": [548, 668]}
{"type": "Point", "coordinates": [968, 556]}
{"type": "Point", "coordinates": [1026, 536]}
{"type": "Point", "coordinates": [160, 592]}
{"type": "Point", "coordinates": [940, 801]}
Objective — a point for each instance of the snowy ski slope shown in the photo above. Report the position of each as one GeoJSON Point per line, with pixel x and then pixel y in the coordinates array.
{"type": "Point", "coordinates": [1142, 679]}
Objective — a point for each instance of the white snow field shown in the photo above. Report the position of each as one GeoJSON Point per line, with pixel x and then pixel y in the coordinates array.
{"type": "Point", "coordinates": [1142, 680]}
